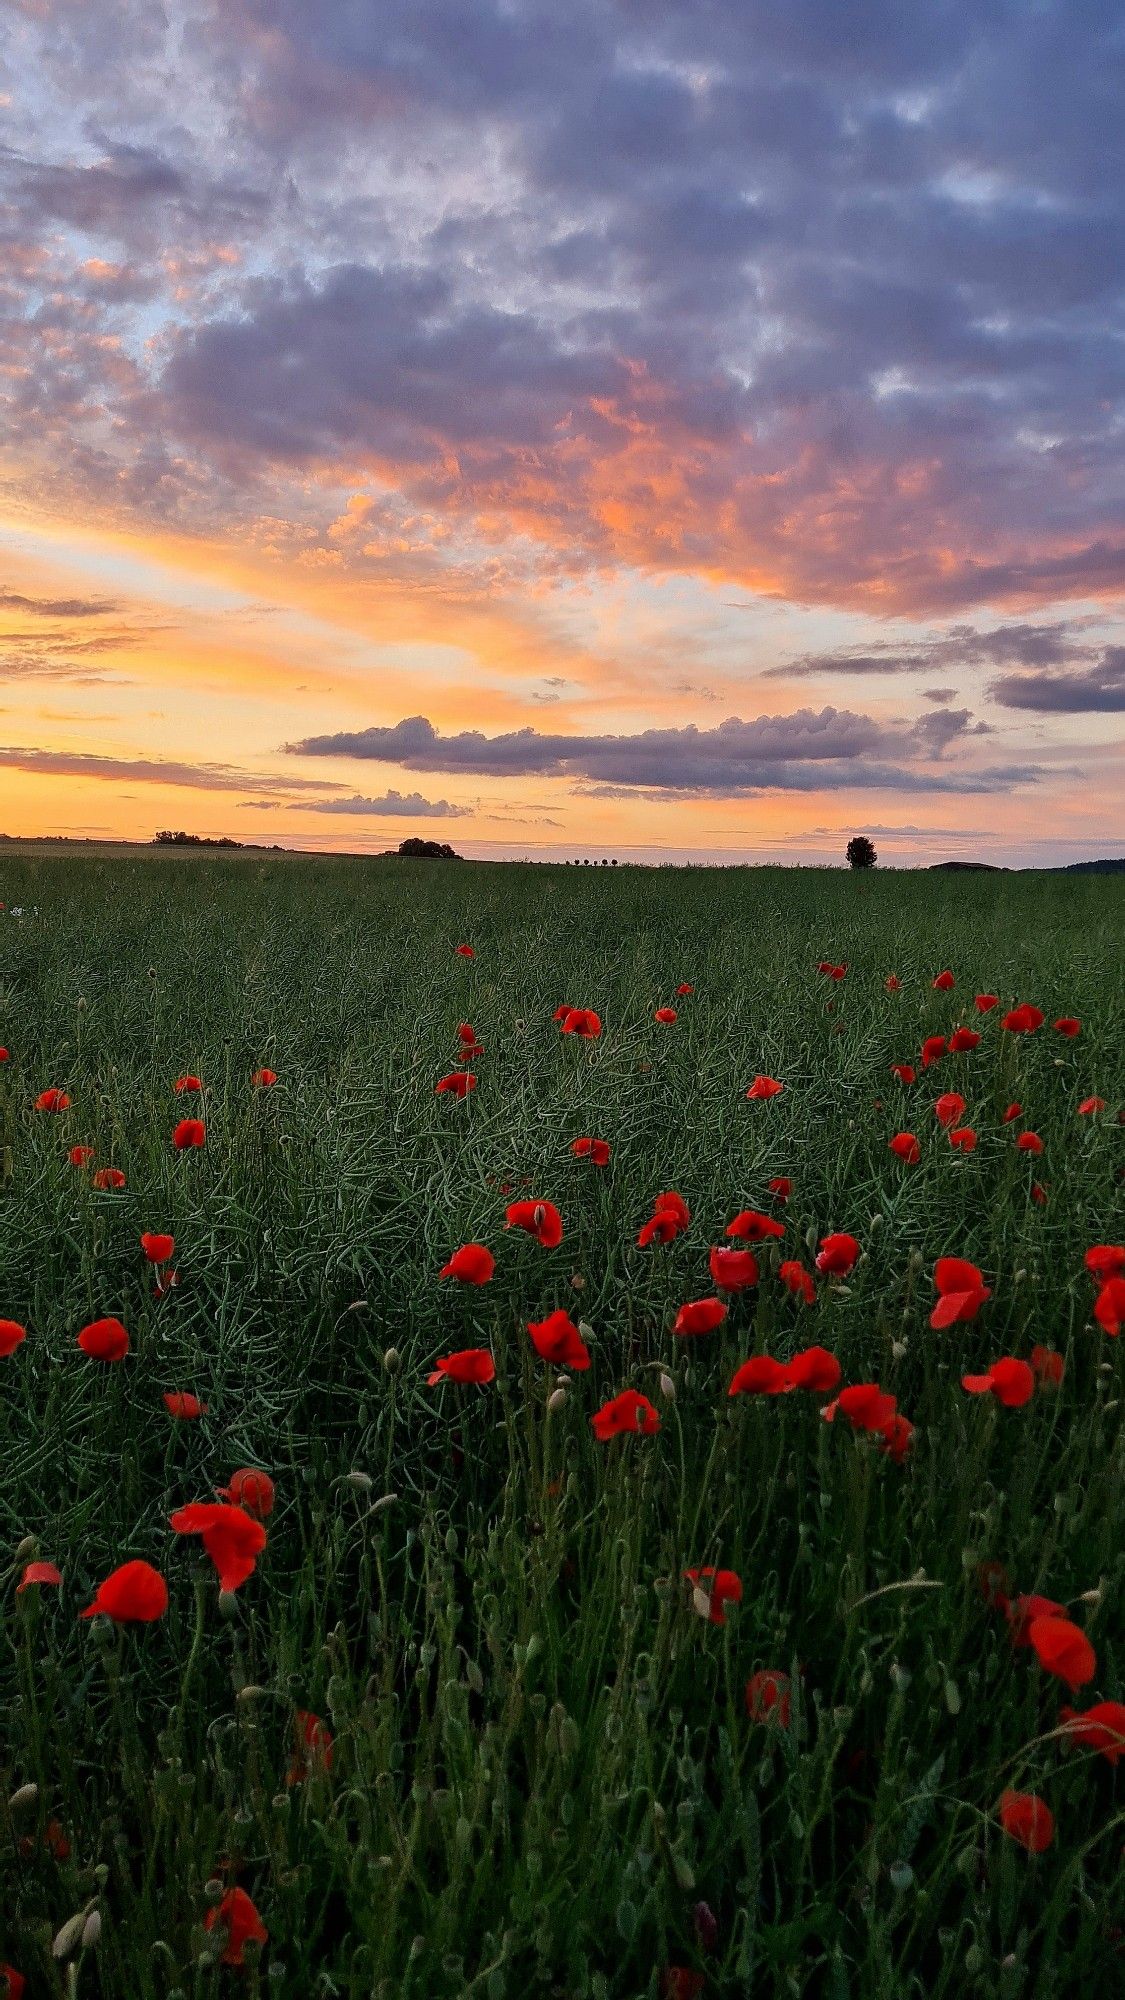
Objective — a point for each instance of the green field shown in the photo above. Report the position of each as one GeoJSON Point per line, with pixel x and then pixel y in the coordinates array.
{"type": "Point", "coordinates": [543, 1759]}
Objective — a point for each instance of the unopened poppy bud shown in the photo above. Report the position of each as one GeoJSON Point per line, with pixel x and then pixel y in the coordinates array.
{"type": "Point", "coordinates": [812, 1238]}
{"type": "Point", "coordinates": [578, 1282]}
{"type": "Point", "coordinates": [66, 1939]}
{"type": "Point", "coordinates": [228, 1604]}
{"type": "Point", "coordinates": [25, 1796]}
{"type": "Point", "coordinates": [667, 1387]}
{"type": "Point", "coordinates": [1020, 1278]}
{"type": "Point", "coordinates": [900, 1677]}
{"type": "Point", "coordinates": [1092, 1596]}
{"type": "Point", "coordinates": [27, 1548]}
{"type": "Point", "coordinates": [250, 1692]}
{"type": "Point", "coordinates": [844, 1291]}
{"type": "Point", "coordinates": [362, 1481]}
{"type": "Point", "coordinates": [899, 1349]}
{"type": "Point", "coordinates": [213, 1891]}
{"type": "Point", "coordinates": [81, 1004]}
{"type": "Point", "coordinates": [701, 1602]}
{"type": "Point", "coordinates": [384, 1501]}
{"type": "Point", "coordinates": [915, 1260]}
{"type": "Point", "coordinates": [92, 1930]}
{"type": "Point", "coordinates": [557, 1399]}
{"type": "Point", "coordinates": [392, 1361]}
{"type": "Point", "coordinates": [585, 1329]}
{"type": "Point", "coordinates": [876, 1222]}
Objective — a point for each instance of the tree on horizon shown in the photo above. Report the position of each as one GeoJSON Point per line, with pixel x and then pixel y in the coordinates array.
{"type": "Point", "coordinates": [861, 852]}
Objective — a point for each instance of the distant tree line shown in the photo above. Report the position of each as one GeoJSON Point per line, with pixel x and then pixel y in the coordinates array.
{"type": "Point", "coordinates": [166, 839]}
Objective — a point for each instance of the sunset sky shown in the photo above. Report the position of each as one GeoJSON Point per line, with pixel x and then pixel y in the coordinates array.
{"type": "Point", "coordinates": [596, 427]}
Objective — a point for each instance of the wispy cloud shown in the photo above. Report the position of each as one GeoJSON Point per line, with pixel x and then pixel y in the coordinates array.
{"type": "Point", "coordinates": [154, 771]}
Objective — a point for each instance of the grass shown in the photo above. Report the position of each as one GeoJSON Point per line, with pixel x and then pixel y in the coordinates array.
{"type": "Point", "coordinates": [543, 1761]}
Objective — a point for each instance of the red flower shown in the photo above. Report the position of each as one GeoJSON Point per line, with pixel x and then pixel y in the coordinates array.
{"type": "Point", "coordinates": [683, 989]}
{"type": "Point", "coordinates": [189, 1134]}
{"type": "Point", "coordinates": [837, 1255]}
{"type": "Point", "coordinates": [183, 1083]}
{"type": "Point", "coordinates": [764, 1087]}
{"type": "Point", "coordinates": [38, 1572]}
{"type": "Point", "coordinates": [753, 1227]}
{"type": "Point", "coordinates": [465, 951]}
{"type": "Point", "coordinates": [313, 1754]}
{"type": "Point", "coordinates": [557, 1339]}
{"type": "Point", "coordinates": [670, 1217]}
{"type": "Point", "coordinates": [472, 1263]}
{"type": "Point", "coordinates": [11, 1336]}
{"type": "Point", "coordinates": [760, 1376]}
{"type": "Point", "coordinates": [733, 1270]}
{"type": "Point", "coordinates": [159, 1248]}
{"type": "Point", "coordinates": [1027, 1818]}
{"type": "Point", "coordinates": [944, 983]}
{"type": "Point", "coordinates": [104, 1340]}
{"type": "Point", "coordinates": [580, 1021]}
{"type": "Point", "coordinates": [1109, 1306]}
{"type": "Point", "coordinates": [629, 1411]}
{"type": "Point", "coordinates": [933, 1048]}
{"type": "Point", "coordinates": [797, 1280]}
{"type": "Point", "coordinates": [719, 1587]}
{"type": "Point", "coordinates": [5, 1055]}
{"type": "Point", "coordinates": [1047, 1366]}
{"type": "Point", "coordinates": [1100, 1728]}
{"type": "Point", "coordinates": [985, 1002]}
{"type": "Point", "coordinates": [1022, 1612]}
{"type": "Point", "coordinates": [1068, 1026]}
{"type": "Point", "coordinates": [251, 1490]}
{"type": "Point", "coordinates": [677, 1982]}
{"type": "Point", "coordinates": [1089, 1105]}
{"type": "Point", "coordinates": [1062, 1649]}
{"type": "Point", "coordinates": [961, 1291]}
{"type": "Point", "coordinates": [459, 1082]}
{"type": "Point", "coordinates": [892, 982]}
{"type": "Point", "coordinates": [231, 1537]}
{"type": "Point", "coordinates": [236, 1914]}
{"type": "Point", "coordinates": [1013, 1111]}
{"type": "Point", "coordinates": [1105, 1260]}
{"type": "Point", "coordinates": [108, 1177]}
{"type": "Point", "coordinates": [1038, 1192]}
{"type": "Point", "coordinates": [80, 1156]}
{"type": "Point", "coordinates": [905, 1072]}
{"type": "Point", "coordinates": [864, 1404]}
{"type": "Point", "coordinates": [665, 1014]}
{"type": "Point", "coordinates": [540, 1219]}
{"type": "Point", "coordinates": [184, 1406]}
{"type": "Point", "coordinates": [52, 1100]}
{"type": "Point", "coordinates": [963, 1039]}
{"type": "Point", "coordinates": [700, 1316]}
{"type": "Point", "coordinates": [906, 1147]}
{"type": "Point", "coordinates": [768, 1697]}
{"type": "Point", "coordinates": [949, 1108]}
{"type": "Point", "coordinates": [264, 1079]}
{"type": "Point", "coordinates": [1010, 1381]}
{"type": "Point", "coordinates": [594, 1150]}
{"type": "Point", "coordinates": [1029, 1142]}
{"type": "Point", "coordinates": [1023, 1020]}
{"type": "Point", "coordinates": [896, 1435]}
{"type": "Point", "coordinates": [814, 1368]}
{"type": "Point", "coordinates": [781, 1186]}
{"type": "Point", "coordinates": [135, 1594]}
{"type": "Point", "coordinates": [964, 1139]}
{"type": "Point", "coordinates": [469, 1364]}
{"type": "Point", "coordinates": [13, 1982]}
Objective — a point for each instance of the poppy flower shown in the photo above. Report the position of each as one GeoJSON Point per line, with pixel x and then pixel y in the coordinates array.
{"type": "Point", "coordinates": [1039, 1193]}
{"type": "Point", "coordinates": [933, 1048]}
{"type": "Point", "coordinates": [12, 1984]}
{"type": "Point", "coordinates": [1100, 1728]}
{"type": "Point", "coordinates": [670, 1217]}
{"type": "Point", "coordinates": [1089, 1105]}
{"type": "Point", "coordinates": [179, 1403]}
{"type": "Point", "coordinates": [944, 983]}
{"type": "Point", "coordinates": [594, 1150]}
{"type": "Point", "coordinates": [469, 1364]}
{"type": "Point", "coordinates": [1022, 1612]}
{"type": "Point", "coordinates": [184, 1083]}
{"type": "Point", "coordinates": [1028, 1819]}
{"type": "Point", "coordinates": [964, 1139]}
{"type": "Point", "coordinates": [864, 1404]}
{"type": "Point", "coordinates": [1014, 1111]}
{"type": "Point", "coordinates": [892, 982]}
{"type": "Point", "coordinates": [465, 951]}
{"type": "Point", "coordinates": [677, 1982]}
{"type": "Point", "coordinates": [52, 1100]}
{"type": "Point", "coordinates": [985, 1002]}
{"type": "Point", "coordinates": [781, 1186]}
{"type": "Point", "coordinates": [760, 1376]}
{"type": "Point", "coordinates": [540, 1219]}
{"type": "Point", "coordinates": [38, 1572]}
{"type": "Point", "coordinates": [5, 1055]}
{"type": "Point", "coordinates": [1029, 1142]}
{"type": "Point", "coordinates": [630, 1411]}
{"type": "Point", "coordinates": [949, 1108]}
{"type": "Point", "coordinates": [264, 1079]}
{"type": "Point", "coordinates": [189, 1135]}
{"type": "Point", "coordinates": [768, 1697]}
{"type": "Point", "coordinates": [236, 1914]}
{"type": "Point", "coordinates": [1012, 1383]}
{"type": "Point", "coordinates": [1062, 1649]}
{"type": "Point", "coordinates": [108, 1178]}
{"type": "Point", "coordinates": [719, 1587]}
{"type": "Point", "coordinates": [557, 1339]}
{"type": "Point", "coordinates": [733, 1270]}
{"type": "Point", "coordinates": [1109, 1306]}
{"type": "Point", "coordinates": [135, 1594]}
{"type": "Point", "coordinates": [158, 1247]}
{"type": "Point", "coordinates": [1105, 1260]}
{"type": "Point", "coordinates": [313, 1754]}
{"type": "Point", "coordinates": [906, 1148]}
{"type": "Point", "coordinates": [962, 1040]}
{"type": "Point", "coordinates": [837, 1255]}
{"type": "Point", "coordinates": [753, 1227]}
{"type": "Point", "coordinates": [466, 1034]}
{"type": "Point", "coordinates": [1068, 1026]}
{"type": "Point", "coordinates": [231, 1537]}
{"type": "Point", "coordinates": [905, 1072]}
{"type": "Point", "coordinates": [814, 1368]}
{"type": "Point", "coordinates": [1047, 1366]}
{"type": "Point", "coordinates": [992, 1581]}
{"type": "Point", "coordinates": [80, 1156]}
{"type": "Point", "coordinates": [764, 1087]}
{"type": "Point", "coordinates": [166, 1281]}
{"type": "Point", "coordinates": [251, 1490]}
{"type": "Point", "coordinates": [666, 1014]}
{"type": "Point", "coordinates": [458, 1083]}
{"type": "Point", "coordinates": [473, 1264]}
{"type": "Point", "coordinates": [896, 1436]}
{"type": "Point", "coordinates": [684, 988]}
{"type": "Point", "coordinates": [104, 1340]}
{"type": "Point", "coordinates": [1023, 1020]}
{"type": "Point", "coordinates": [797, 1280]}
{"type": "Point", "coordinates": [580, 1021]}
{"type": "Point", "coordinates": [700, 1316]}
{"type": "Point", "coordinates": [961, 1291]}
{"type": "Point", "coordinates": [11, 1336]}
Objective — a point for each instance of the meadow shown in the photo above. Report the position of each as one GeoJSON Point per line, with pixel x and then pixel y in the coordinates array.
{"type": "Point", "coordinates": [464, 1727]}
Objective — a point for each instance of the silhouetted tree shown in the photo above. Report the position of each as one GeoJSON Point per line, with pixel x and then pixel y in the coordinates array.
{"type": "Point", "coordinates": [429, 850]}
{"type": "Point", "coordinates": [861, 852]}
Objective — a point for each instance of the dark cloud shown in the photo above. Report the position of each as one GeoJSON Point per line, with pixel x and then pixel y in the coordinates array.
{"type": "Point", "coordinates": [393, 805]}
{"type": "Point", "coordinates": [1098, 690]}
{"type": "Point", "coordinates": [1027, 645]}
{"type": "Point", "coordinates": [938, 694]}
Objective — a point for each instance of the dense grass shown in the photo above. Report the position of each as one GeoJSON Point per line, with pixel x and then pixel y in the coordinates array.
{"type": "Point", "coordinates": [543, 1760]}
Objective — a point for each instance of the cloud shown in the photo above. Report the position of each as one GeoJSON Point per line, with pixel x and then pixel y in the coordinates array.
{"type": "Point", "coordinates": [1032, 645]}
{"type": "Point", "coordinates": [152, 771]}
{"type": "Point", "coordinates": [1098, 690]}
{"type": "Point", "coordinates": [57, 607]}
{"type": "Point", "coordinates": [393, 805]}
{"type": "Point", "coordinates": [938, 694]}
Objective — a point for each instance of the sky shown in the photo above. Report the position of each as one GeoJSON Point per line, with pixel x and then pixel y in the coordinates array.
{"type": "Point", "coordinates": [565, 427]}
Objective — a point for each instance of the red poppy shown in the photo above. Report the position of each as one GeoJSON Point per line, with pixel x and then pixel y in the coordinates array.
{"type": "Point", "coordinates": [52, 1100]}
{"type": "Point", "coordinates": [594, 1150]}
{"type": "Point", "coordinates": [864, 1404]}
{"type": "Point", "coordinates": [1109, 1306]}
{"type": "Point", "coordinates": [458, 1083]}
{"type": "Point", "coordinates": [1038, 1193]}
{"type": "Point", "coordinates": [733, 1270]}
{"type": "Point", "coordinates": [933, 1048]}
{"type": "Point", "coordinates": [962, 1040]}
{"type": "Point", "coordinates": [992, 1579]}
{"type": "Point", "coordinates": [236, 1914]}
{"type": "Point", "coordinates": [467, 1036]}
{"type": "Point", "coordinates": [81, 1156]}
{"type": "Point", "coordinates": [1068, 1026]}
{"type": "Point", "coordinates": [906, 1148]}
{"type": "Point", "coordinates": [104, 1340]}
{"type": "Point", "coordinates": [814, 1368]}
{"type": "Point", "coordinates": [232, 1538]}
{"type": "Point", "coordinates": [12, 1334]}
{"type": "Point", "coordinates": [1089, 1105]}
{"type": "Point", "coordinates": [166, 1281]}
{"type": "Point", "coordinates": [630, 1411]}
{"type": "Point", "coordinates": [1047, 1366]}
{"type": "Point", "coordinates": [1013, 1111]}
{"type": "Point", "coordinates": [1023, 1020]}
{"type": "Point", "coordinates": [683, 989]}
{"type": "Point", "coordinates": [1027, 1818]}
{"type": "Point", "coordinates": [557, 1339]}
{"type": "Point", "coordinates": [905, 1072]}
{"type": "Point", "coordinates": [896, 1436]}
{"type": "Point", "coordinates": [768, 1697]}
{"type": "Point", "coordinates": [781, 1186]}
{"type": "Point", "coordinates": [189, 1134]}
{"type": "Point", "coordinates": [1100, 1728]}
{"type": "Point", "coordinates": [38, 1572]}
{"type": "Point", "coordinates": [1022, 1612]}
{"type": "Point", "coordinates": [1029, 1142]}
{"type": "Point", "coordinates": [540, 1219]}
{"type": "Point", "coordinates": [764, 1087]}
{"type": "Point", "coordinates": [665, 1014]}
{"type": "Point", "coordinates": [700, 1316]}
{"type": "Point", "coordinates": [465, 951]}
{"type": "Point", "coordinates": [1062, 1649]}
{"type": "Point", "coordinates": [473, 1264]}
{"type": "Point", "coordinates": [678, 1982]}
{"type": "Point", "coordinates": [135, 1594]}
{"type": "Point", "coordinates": [670, 1217]}
{"type": "Point", "coordinates": [961, 1291]}
{"type": "Point", "coordinates": [251, 1490]}
{"type": "Point", "coordinates": [580, 1021]}
{"type": "Point", "coordinates": [760, 1376]}
{"type": "Point", "coordinates": [832, 971]}
{"type": "Point", "coordinates": [753, 1227]}
{"type": "Point", "coordinates": [13, 1984]}
{"type": "Point", "coordinates": [949, 1108]}
{"type": "Point", "coordinates": [837, 1255]}
{"type": "Point", "coordinates": [964, 1139]}
{"type": "Point", "coordinates": [719, 1587]}
{"type": "Point", "coordinates": [985, 1002]}
{"type": "Point", "coordinates": [313, 1754]}
{"type": "Point", "coordinates": [892, 982]}
{"type": "Point", "coordinates": [107, 1178]}
{"type": "Point", "coordinates": [158, 1248]}
{"type": "Point", "coordinates": [944, 983]}
{"type": "Point", "coordinates": [264, 1079]}
{"type": "Point", "coordinates": [469, 1364]}
{"type": "Point", "coordinates": [1012, 1382]}
{"type": "Point", "coordinates": [797, 1280]}
{"type": "Point", "coordinates": [5, 1055]}
{"type": "Point", "coordinates": [1105, 1260]}
{"type": "Point", "coordinates": [183, 1083]}
{"type": "Point", "coordinates": [179, 1403]}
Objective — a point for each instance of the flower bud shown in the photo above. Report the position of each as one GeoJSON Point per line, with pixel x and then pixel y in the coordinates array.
{"type": "Point", "coordinates": [25, 1796]}
{"type": "Point", "coordinates": [67, 1938]}
{"type": "Point", "coordinates": [28, 1548]}
{"type": "Point", "coordinates": [362, 1481]}
{"type": "Point", "coordinates": [92, 1930]}
{"type": "Point", "coordinates": [392, 1361]}
{"type": "Point", "coordinates": [578, 1282]}
{"type": "Point", "coordinates": [557, 1399]}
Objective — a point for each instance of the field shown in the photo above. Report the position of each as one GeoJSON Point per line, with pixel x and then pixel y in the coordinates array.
{"type": "Point", "coordinates": [465, 1728]}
